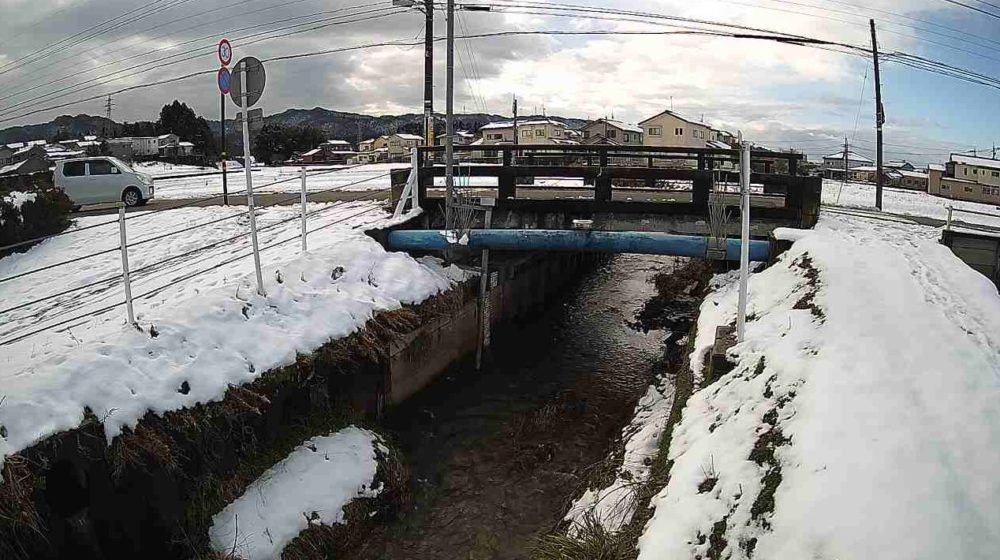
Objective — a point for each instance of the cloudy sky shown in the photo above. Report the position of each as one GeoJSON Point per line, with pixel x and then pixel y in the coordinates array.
{"type": "Point", "coordinates": [58, 52]}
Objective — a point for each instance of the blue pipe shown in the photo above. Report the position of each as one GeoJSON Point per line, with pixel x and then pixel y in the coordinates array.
{"type": "Point", "coordinates": [638, 242]}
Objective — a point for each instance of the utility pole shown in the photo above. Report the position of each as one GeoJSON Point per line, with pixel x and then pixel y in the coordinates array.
{"type": "Point", "coordinates": [429, 73]}
{"type": "Point", "coordinates": [516, 140]}
{"type": "Point", "coordinates": [107, 108]}
{"type": "Point", "coordinates": [449, 141]}
{"type": "Point", "coordinates": [846, 147]}
{"type": "Point", "coordinates": [879, 121]}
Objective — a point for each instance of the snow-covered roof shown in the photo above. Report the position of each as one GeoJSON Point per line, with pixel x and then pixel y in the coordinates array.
{"type": "Point", "coordinates": [15, 145]}
{"type": "Point", "coordinates": [410, 137]}
{"type": "Point", "coordinates": [864, 168]}
{"type": "Point", "coordinates": [89, 138]}
{"type": "Point", "coordinates": [935, 167]}
{"type": "Point", "coordinates": [976, 161]}
{"type": "Point", "coordinates": [86, 143]}
{"type": "Point", "coordinates": [186, 144]}
{"type": "Point", "coordinates": [898, 163]}
{"type": "Point", "coordinates": [912, 174]}
{"type": "Point", "coordinates": [337, 143]}
{"type": "Point", "coordinates": [37, 142]}
{"type": "Point", "coordinates": [164, 136]}
{"type": "Point", "coordinates": [510, 124]}
{"type": "Point", "coordinates": [851, 156]}
{"type": "Point", "coordinates": [478, 142]}
{"type": "Point", "coordinates": [312, 152]}
{"type": "Point", "coordinates": [564, 142]}
{"type": "Point", "coordinates": [51, 148]}
{"type": "Point", "coordinates": [619, 124]}
{"type": "Point", "coordinates": [675, 115]}
{"type": "Point", "coordinates": [11, 168]}
{"type": "Point", "coordinates": [718, 144]}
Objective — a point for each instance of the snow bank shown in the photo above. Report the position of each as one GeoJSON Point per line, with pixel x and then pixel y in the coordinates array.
{"type": "Point", "coordinates": [311, 485]}
{"type": "Point", "coordinates": [614, 505]}
{"type": "Point", "coordinates": [223, 334]}
{"type": "Point", "coordinates": [907, 202]}
{"type": "Point", "coordinates": [865, 402]}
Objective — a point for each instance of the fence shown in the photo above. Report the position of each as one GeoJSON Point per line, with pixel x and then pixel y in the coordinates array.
{"type": "Point", "coordinates": [127, 275]}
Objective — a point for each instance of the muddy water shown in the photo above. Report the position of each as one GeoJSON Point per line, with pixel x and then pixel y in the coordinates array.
{"type": "Point", "coordinates": [497, 455]}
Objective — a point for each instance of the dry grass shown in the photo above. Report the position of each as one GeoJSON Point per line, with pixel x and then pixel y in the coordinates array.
{"type": "Point", "coordinates": [20, 524]}
{"type": "Point", "coordinates": [590, 542]}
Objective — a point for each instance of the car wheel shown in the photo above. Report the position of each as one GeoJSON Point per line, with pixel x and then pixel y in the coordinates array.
{"type": "Point", "coordinates": [132, 197]}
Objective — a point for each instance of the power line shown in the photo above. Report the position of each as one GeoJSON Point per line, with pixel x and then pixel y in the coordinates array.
{"type": "Point", "coordinates": [973, 8]}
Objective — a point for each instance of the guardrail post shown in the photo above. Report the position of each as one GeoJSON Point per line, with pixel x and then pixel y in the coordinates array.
{"type": "Point", "coordinates": [303, 197]}
{"type": "Point", "coordinates": [947, 224]}
{"type": "Point", "coordinates": [125, 274]}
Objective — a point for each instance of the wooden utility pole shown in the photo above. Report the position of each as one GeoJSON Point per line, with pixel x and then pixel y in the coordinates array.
{"type": "Point", "coordinates": [515, 122]}
{"type": "Point", "coordinates": [879, 121]}
{"type": "Point", "coordinates": [846, 148]}
{"type": "Point", "coordinates": [429, 73]}
{"type": "Point", "coordinates": [449, 120]}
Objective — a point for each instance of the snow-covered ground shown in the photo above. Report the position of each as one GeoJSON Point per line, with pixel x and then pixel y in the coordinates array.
{"type": "Point", "coordinates": [282, 179]}
{"type": "Point", "coordinates": [205, 329]}
{"type": "Point", "coordinates": [908, 202]}
{"type": "Point", "coordinates": [865, 400]}
{"type": "Point", "coordinates": [160, 169]}
{"type": "Point", "coordinates": [310, 486]}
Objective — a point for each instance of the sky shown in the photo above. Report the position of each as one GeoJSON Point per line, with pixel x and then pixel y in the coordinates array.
{"type": "Point", "coordinates": [62, 52]}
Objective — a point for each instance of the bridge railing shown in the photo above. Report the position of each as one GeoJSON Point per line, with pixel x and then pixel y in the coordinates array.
{"type": "Point", "coordinates": [629, 170]}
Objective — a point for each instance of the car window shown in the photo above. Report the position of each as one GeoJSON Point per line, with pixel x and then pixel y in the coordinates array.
{"type": "Point", "coordinates": [73, 169]}
{"type": "Point", "coordinates": [102, 167]}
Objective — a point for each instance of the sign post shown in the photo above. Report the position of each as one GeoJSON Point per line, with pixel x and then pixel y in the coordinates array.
{"type": "Point", "coordinates": [224, 79]}
{"type": "Point", "coordinates": [741, 315]}
{"type": "Point", "coordinates": [245, 91]}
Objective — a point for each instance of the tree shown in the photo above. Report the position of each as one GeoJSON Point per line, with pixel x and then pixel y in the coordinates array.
{"type": "Point", "coordinates": [275, 142]}
{"type": "Point", "coordinates": [177, 118]}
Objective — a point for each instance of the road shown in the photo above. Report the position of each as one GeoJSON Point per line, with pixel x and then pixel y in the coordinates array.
{"type": "Point", "coordinates": [263, 199]}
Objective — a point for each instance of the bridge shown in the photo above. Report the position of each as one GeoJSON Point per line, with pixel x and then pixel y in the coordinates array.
{"type": "Point", "coordinates": [650, 195]}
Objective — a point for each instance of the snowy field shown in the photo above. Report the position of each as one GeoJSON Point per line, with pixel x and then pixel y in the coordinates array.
{"type": "Point", "coordinates": [907, 202]}
{"type": "Point", "coordinates": [283, 180]}
{"type": "Point", "coordinates": [204, 329]}
{"type": "Point", "coordinates": [865, 402]}
{"type": "Point", "coordinates": [159, 169]}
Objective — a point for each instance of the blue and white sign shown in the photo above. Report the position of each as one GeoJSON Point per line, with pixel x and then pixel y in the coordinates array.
{"type": "Point", "coordinates": [225, 79]}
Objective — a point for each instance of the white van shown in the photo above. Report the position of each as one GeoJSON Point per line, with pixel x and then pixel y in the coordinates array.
{"type": "Point", "coordinates": [102, 179]}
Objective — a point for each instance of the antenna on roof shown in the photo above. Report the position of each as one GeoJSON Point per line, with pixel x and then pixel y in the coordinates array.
{"type": "Point", "coordinates": [671, 102]}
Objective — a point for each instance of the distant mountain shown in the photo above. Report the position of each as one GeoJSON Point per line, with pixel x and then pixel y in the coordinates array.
{"type": "Point", "coordinates": [337, 125]}
{"type": "Point", "coordinates": [62, 128]}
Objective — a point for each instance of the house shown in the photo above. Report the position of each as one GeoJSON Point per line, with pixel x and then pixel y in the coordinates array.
{"type": "Point", "coordinates": [33, 164]}
{"type": "Point", "coordinates": [29, 151]}
{"type": "Point", "coordinates": [367, 145]}
{"type": "Point", "coordinates": [535, 131]}
{"type": "Point", "coordinates": [834, 165]}
{"type": "Point", "coordinates": [120, 148]}
{"type": "Point", "coordinates": [615, 132]}
{"type": "Point", "coordinates": [314, 155]}
{"type": "Point", "coordinates": [900, 164]}
{"type": "Point", "coordinates": [964, 177]}
{"type": "Point", "coordinates": [670, 130]}
{"type": "Point", "coordinates": [6, 155]}
{"type": "Point", "coordinates": [399, 145]}
{"type": "Point", "coordinates": [914, 180]}
{"type": "Point", "coordinates": [90, 147]}
{"type": "Point", "coordinates": [140, 146]}
{"type": "Point", "coordinates": [723, 137]}
{"type": "Point", "coordinates": [164, 140]}
{"type": "Point", "coordinates": [375, 155]}
{"type": "Point", "coordinates": [461, 138]}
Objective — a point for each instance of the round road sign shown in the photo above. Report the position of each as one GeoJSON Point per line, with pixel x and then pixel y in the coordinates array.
{"type": "Point", "coordinates": [225, 52]}
{"type": "Point", "coordinates": [225, 79]}
{"type": "Point", "coordinates": [255, 81]}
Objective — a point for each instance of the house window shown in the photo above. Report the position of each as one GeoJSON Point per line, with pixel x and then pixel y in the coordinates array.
{"type": "Point", "coordinates": [968, 189]}
{"type": "Point", "coordinates": [526, 133]}
{"type": "Point", "coordinates": [965, 171]}
{"type": "Point", "coordinates": [945, 187]}
{"type": "Point", "coordinates": [996, 173]}
{"type": "Point", "coordinates": [612, 133]}
{"type": "Point", "coordinates": [586, 134]}
{"type": "Point", "coordinates": [655, 131]}
{"type": "Point", "coordinates": [540, 132]}
{"type": "Point", "coordinates": [678, 132]}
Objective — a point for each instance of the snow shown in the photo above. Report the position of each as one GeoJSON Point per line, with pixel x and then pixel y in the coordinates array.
{"type": "Point", "coordinates": [906, 202]}
{"type": "Point", "coordinates": [889, 400]}
{"type": "Point", "coordinates": [614, 505]}
{"type": "Point", "coordinates": [209, 326]}
{"type": "Point", "coordinates": [16, 199]}
{"type": "Point", "coordinates": [159, 169]}
{"type": "Point", "coordinates": [976, 161]}
{"type": "Point", "coordinates": [321, 178]}
{"type": "Point", "coordinates": [311, 485]}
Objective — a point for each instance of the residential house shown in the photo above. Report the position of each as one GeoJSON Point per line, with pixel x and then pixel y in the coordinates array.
{"type": "Point", "coordinates": [90, 147]}
{"type": "Point", "coordinates": [461, 138]}
{"type": "Point", "coordinates": [723, 137]}
{"type": "Point", "coordinates": [165, 140]}
{"type": "Point", "coordinates": [913, 180]}
{"type": "Point", "coordinates": [56, 152]}
{"type": "Point", "coordinates": [337, 151]}
{"type": "Point", "coordinates": [670, 130]}
{"type": "Point", "coordinates": [900, 164]}
{"type": "Point", "coordinates": [834, 165]}
{"type": "Point", "coordinates": [610, 131]}
{"type": "Point", "coordinates": [964, 177]}
{"type": "Point", "coordinates": [314, 155]}
{"type": "Point", "coordinates": [121, 148]}
{"type": "Point", "coordinates": [535, 131]}
{"type": "Point", "coordinates": [367, 145]}
{"type": "Point", "coordinates": [29, 151]}
{"type": "Point", "coordinates": [6, 155]}
{"type": "Point", "coordinates": [34, 163]}
{"type": "Point", "coordinates": [141, 146]}
{"type": "Point", "coordinates": [398, 145]}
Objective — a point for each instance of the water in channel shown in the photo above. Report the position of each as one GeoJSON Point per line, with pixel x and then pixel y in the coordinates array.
{"type": "Point", "coordinates": [497, 455]}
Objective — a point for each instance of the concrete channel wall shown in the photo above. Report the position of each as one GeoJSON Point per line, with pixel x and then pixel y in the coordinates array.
{"type": "Point", "coordinates": [151, 492]}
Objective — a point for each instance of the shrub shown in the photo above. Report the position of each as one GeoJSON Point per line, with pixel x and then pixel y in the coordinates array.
{"type": "Point", "coordinates": [24, 217]}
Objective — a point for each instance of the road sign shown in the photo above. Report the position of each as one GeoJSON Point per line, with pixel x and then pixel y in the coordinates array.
{"type": "Point", "coordinates": [225, 79]}
{"type": "Point", "coordinates": [255, 81]}
{"type": "Point", "coordinates": [225, 52]}
{"type": "Point", "coordinates": [256, 119]}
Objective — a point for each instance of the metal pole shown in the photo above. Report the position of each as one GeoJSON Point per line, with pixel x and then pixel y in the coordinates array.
{"type": "Point", "coordinates": [225, 180]}
{"type": "Point", "coordinates": [304, 247]}
{"type": "Point", "coordinates": [947, 225]}
{"type": "Point", "coordinates": [516, 140]}
{"type": "Point", "coordinates": [879, 121]}
{"type": "Point", "coordinates": [741, 315]}
{"type": "Point", "coordinates": [484, 301]}
{"type": "Point", "coordinates": [429, 73]}
{"type": "Point", "coordinates": [449, 141]}
{"type": "Point", "coordinates": [249, 180]}
{"type": "Point", "coordinates": [125, 273]}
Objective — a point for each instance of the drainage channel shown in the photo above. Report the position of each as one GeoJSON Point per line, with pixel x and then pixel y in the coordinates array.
{"type": "Point", "coordinates": [497, 455]}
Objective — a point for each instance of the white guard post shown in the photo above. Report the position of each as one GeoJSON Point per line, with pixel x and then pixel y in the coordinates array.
{"type": "Point", "coordinates": [125, 274]}
{"type": "Point", "coordinates": [410, 191]}
{"type": "Point", "coordinates": [249, 179]}
{"type": "Point", "coordinates": [741, 316]}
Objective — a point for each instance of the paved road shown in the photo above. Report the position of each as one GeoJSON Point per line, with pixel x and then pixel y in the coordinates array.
{"type": "Point", "coordinates": [264, 199]}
